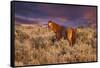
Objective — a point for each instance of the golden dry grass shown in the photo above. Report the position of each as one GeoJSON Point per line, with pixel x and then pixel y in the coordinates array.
{"type": "Point", "coordinates": [35, 44]}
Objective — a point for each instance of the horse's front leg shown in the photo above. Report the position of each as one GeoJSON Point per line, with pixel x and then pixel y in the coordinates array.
{"type": "Point", "coordinates": [58, 36]}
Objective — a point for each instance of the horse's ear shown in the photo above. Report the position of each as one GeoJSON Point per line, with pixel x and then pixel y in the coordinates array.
{"type": "Point", "coordinates": [49, 21]}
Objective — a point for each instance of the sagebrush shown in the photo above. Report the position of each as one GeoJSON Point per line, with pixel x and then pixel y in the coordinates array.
{"type": "Point", "coordinates": [35, 44]}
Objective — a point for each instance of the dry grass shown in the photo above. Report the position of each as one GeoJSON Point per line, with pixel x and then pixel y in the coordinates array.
{"type": "Point", "coordinates": [35, 44]}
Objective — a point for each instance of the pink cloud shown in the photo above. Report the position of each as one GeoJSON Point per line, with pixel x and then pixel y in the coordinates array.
{"type": "Point", "coordinates": [90, 14]}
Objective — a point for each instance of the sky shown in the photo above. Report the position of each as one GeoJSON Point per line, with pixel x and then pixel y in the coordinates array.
{"type": "Point", "coordinates": [65, 15]}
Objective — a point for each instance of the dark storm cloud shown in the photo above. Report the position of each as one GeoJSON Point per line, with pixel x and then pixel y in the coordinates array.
{"type": "Point", "coordinates": [67, 11]}
{"type": "Point", "coordinates": [47, 10]}
{"type": "Point", "coordinates": [28, 10]}
{"type": "Point", "coordinates": [72, 14]}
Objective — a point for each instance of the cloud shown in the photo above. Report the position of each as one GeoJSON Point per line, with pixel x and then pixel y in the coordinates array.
{"type": "Point", "coordinates": [68, 14]}
{"type": "Point", "coordinates": [90, 14]}
{"type": "Point", "coordinates": [68, 11]}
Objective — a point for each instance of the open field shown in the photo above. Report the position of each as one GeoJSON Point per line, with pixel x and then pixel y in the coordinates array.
{"type": "Point", "coordinates": [34, 45]}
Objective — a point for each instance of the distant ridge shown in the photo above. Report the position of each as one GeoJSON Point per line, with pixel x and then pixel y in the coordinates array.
{"type": "Point", "coordinates": [24, 21]}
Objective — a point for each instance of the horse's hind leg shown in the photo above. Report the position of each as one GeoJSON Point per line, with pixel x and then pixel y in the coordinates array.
{"type": "Point", "coordinates": [70, 43]}
{"type": "Point", "coordinates": [73, 37]}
